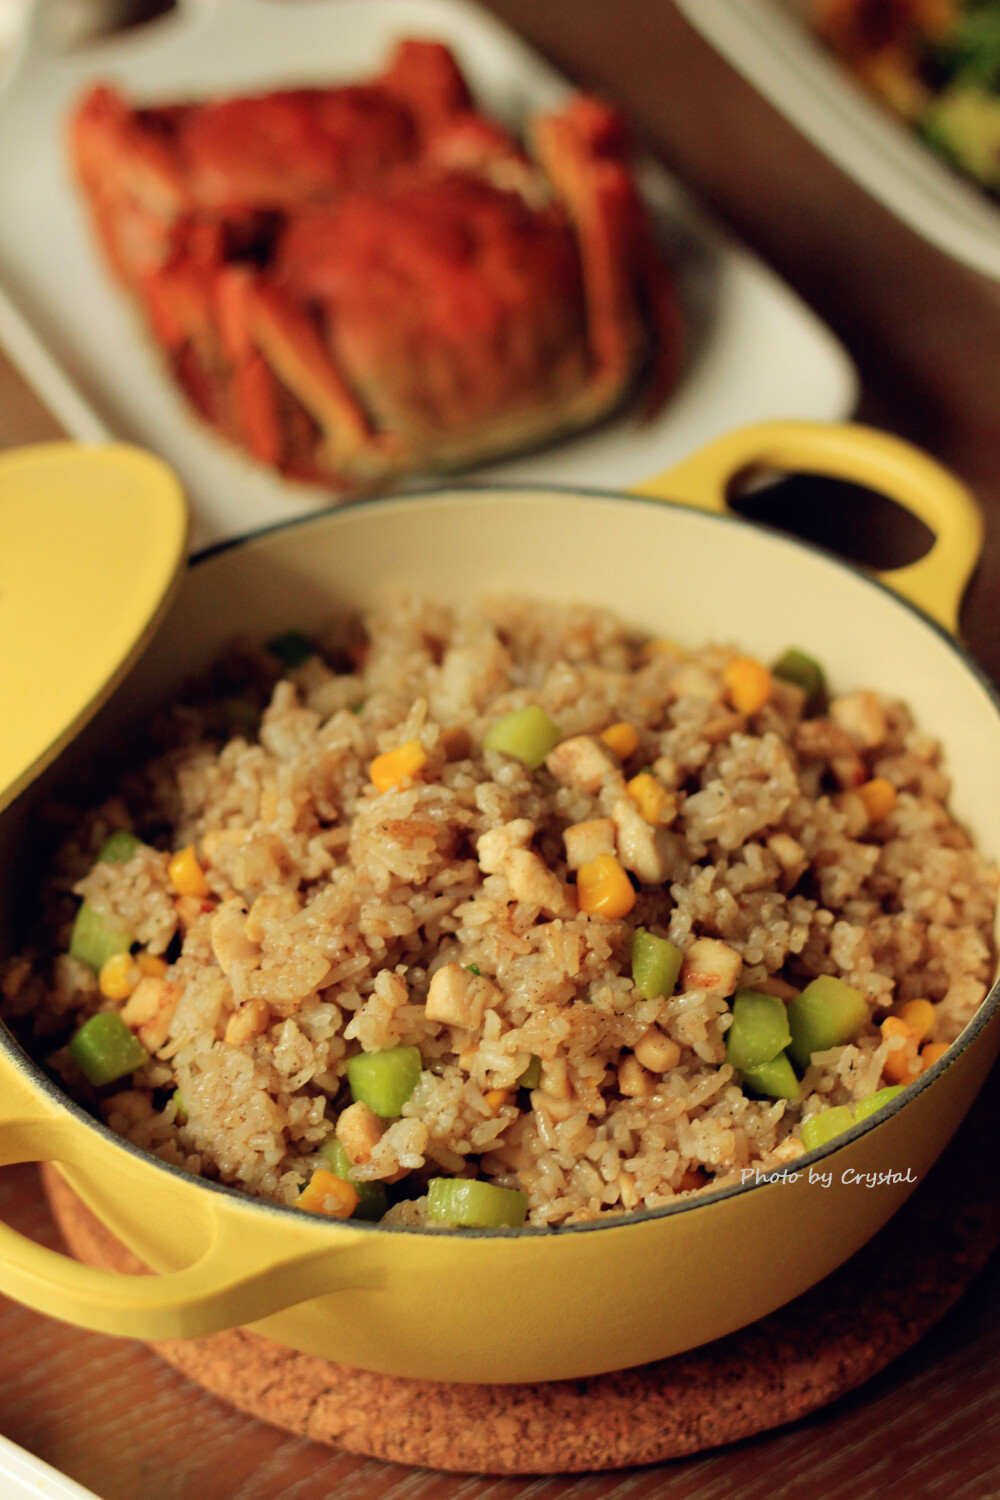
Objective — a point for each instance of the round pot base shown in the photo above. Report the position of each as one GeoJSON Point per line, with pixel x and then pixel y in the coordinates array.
{"type": "Point", "coordinates": [789, 1364]}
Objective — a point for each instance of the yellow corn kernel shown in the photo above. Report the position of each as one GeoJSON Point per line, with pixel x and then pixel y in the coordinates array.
{"type": "Point", "coordinates": [118, 977]}
{"type": "Point", "coordinates": [186, 875]}
{"type": "Point", "coordinates": [326, 1194]}
{"type": "Point", "coordinates": [150, 964]}
{"type": "Point", "coordinates": [603, 889]}
{"type": "Point", "coordinates": [748, 683]}
{"type": "Point", "coordinates": [930, 1054]}
{"type": "Point", "coordinates": [622, 739]}
{"type": "Point", "coordinates": [919, 1015]}
{"type": "Point", "coordinates": [900, 1066]}
{"type": "Point", "coordinates": [657, 805]}
{"type": "Point", "coordinates": [496, 1099]}
{"type": "Point", "coordinates": [397, 765]}
{"type": "Point", "coordinates": [879, 797]}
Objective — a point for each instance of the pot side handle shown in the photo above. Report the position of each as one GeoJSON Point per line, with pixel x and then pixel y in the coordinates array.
{"type": "Point", "coordinates": [861, 455]}
{"type": "Point", "coordinates": [245, 1272]}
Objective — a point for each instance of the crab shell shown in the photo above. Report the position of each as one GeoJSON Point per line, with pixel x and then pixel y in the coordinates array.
{"type": "Point", "coordinates": [357, 282]}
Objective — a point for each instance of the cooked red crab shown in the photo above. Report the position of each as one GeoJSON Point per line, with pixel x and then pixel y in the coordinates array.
{"type": "Point", "coordinates": [361, 281]}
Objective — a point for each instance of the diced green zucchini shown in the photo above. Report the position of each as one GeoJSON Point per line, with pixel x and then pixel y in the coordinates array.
{"type": "Point", "coordinates": [468, 1204]}
{"type": "Point", "coordinates": [656, 963]}
{"type": "Point", "coordinates": [95, 939]}
{"type": "Point", "coordinates": [825, 1126]}
{"type": "Point", "coordinates": [181, 1116]}
{"type": "Point", "coordinates": [532, 1075]}
{"type": "Point", "coordinates": [104, 1049]}
{"type": "Point", "coordinates": [759, 1030]}
{"type": "Point", "coordinates": [828, 1013]}
{"type": "Point", "coordinates": [865, 1108]}
{"type": "Point", "coordinates": [119, 847]}
{"type": "Point", "coordinates": [292, 648]}
{"type": "Point", "coordinates": [528, 734]}
{"type": "Point", "coordinates": [384, 1080]}
{"type": "Point", "coordinates": [806, 673]}
{"type": "Point", "coordinates": [775, 1079]}
{"type": "Point", "coordinates": [372, 1199]}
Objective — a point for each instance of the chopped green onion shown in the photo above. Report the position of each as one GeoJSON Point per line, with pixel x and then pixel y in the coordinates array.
{"type": "Point", "coordinates": [384, 1080]}
{"type": "Point", "coordinates": [656, 963]}
{"type": "Point", "coordinates": [532, 1075]}
{"type": "Point", "coordinates": [119, 847]}
{"type": "Point", "coordinates": [356, 708]}
{"type": "Point", "coordinates": [469, 1204]}
{"type": "Point", "coordinates": [826, 1126]}
{"type": "Point", "coordinates": [870, 1106]}
{"type": "Point", "coordinates": [776, 1079]}
{"type": "Point", "coordinates": [472, 969]}
{"type": "Point", "coordinates": [372, 1199]}
{"type": "Point", "coordinates": [828, 1013]}
{"type": "Point", "coordinates": [759, 1030]}
{"type": "Point", "coordinates": [95, 939]}
{"type": "Point", "coordinates": [104, 1049]}
{"type": "Point", "coordinates": [528, 734]}
{"type": "Point", "coordinates": [292, 648]}
{"type": "Point", "coordinates": [795, 666]}
{"type": "Point", "coordinates": [181, 1115]}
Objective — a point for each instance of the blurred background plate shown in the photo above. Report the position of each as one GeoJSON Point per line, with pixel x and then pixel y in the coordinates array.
{"type": "Point", "coordinates": [24, 1477]}
{"type": "Point", "coordinates": [753, 349]}
{"type": "Point", "coordinates": [770, 43]}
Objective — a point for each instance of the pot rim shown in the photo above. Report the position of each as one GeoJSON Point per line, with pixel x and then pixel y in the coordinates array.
{"type": "Point", "coordinates": [39, 1079]}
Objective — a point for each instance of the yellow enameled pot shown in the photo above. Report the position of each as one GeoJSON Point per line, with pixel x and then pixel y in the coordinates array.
{"type": "Point", "coordinates": [535, 1304]}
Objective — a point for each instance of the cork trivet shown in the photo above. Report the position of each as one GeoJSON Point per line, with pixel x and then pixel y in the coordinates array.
{"type": "Point", "coordinates": [798, 1359]}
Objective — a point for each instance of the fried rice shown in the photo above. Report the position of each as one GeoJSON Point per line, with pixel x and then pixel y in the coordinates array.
{"type": "Point", "coordinates": [444, 913]}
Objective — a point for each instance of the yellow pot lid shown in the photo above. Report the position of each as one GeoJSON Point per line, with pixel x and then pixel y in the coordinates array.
{"type": "Point", "coordinates": [92, 540]}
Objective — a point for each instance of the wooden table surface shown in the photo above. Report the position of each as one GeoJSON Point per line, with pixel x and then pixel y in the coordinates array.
{"type": "Point", "coordinates": [925, 336]}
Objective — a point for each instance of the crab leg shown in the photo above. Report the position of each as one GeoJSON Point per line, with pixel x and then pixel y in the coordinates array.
{"type": "Point", "coordinates": [582, 152]}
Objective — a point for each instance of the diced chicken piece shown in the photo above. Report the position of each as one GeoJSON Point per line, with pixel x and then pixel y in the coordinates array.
{"type": "Point", "coordinates": [459, 998]}
{"type": "Point", "coordinates": [149, 1010]}
{"type": "Point", "coordinates": [711, 965]}
{"type": "Point", "coordinates": [494, 846]}
{"type": "Point", "coordinates": [633, 1079]}
{"type": "Point", "coordinates": [585, 841]}
{"type": "Point", "coordinates": [862, 716]}
{"type": "Point", "coordinates": [271, 907]}
{"type": "Point", "coordinates": [359, 1131]}
{"type": "Point", "coordinates": [532, 882]}
{"type": "Point", "coordinates": [821, 739]}
{"type": "Point", "coordinates": [788, 852]}
{"type": "Point", "coordinates": [693, 681]}
{"type": "Point", "coordinates": [643, 849]}
{"type": "Point", "coordinates": [582, 762]}
{"type": "Point", "coordinates": [657, 1052]}
{"type": "Point", "coordinates": [668, 771]}
{"type": "Point", "coordinates": [228, 930]}
{"type": "Point", "coordinates": [249, 1021]}
{"type": "Point", "coordinates": [855, 813]}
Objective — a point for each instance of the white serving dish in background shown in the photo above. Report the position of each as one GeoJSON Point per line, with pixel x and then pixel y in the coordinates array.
{"type": "Point", "coordinates": [24, 1477]}
{"type": "Point", "coordinates": [755, 351]}
{"type": "Point", "coordinates": [770, 43]}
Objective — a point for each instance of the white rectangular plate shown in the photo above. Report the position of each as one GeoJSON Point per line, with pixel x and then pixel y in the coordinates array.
{"type": "Point", "coordinates": [24, 1477]}
{"type": "Point", "coordinates": [754, 351]}
{"type": "Point", "coordinates": [770, 43]}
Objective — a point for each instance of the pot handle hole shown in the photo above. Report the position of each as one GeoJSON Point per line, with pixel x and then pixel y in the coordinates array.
{"type": "Point", "coordinates": [860, 455]}
{"type": "Point", "coordinates": [251, 1264]}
